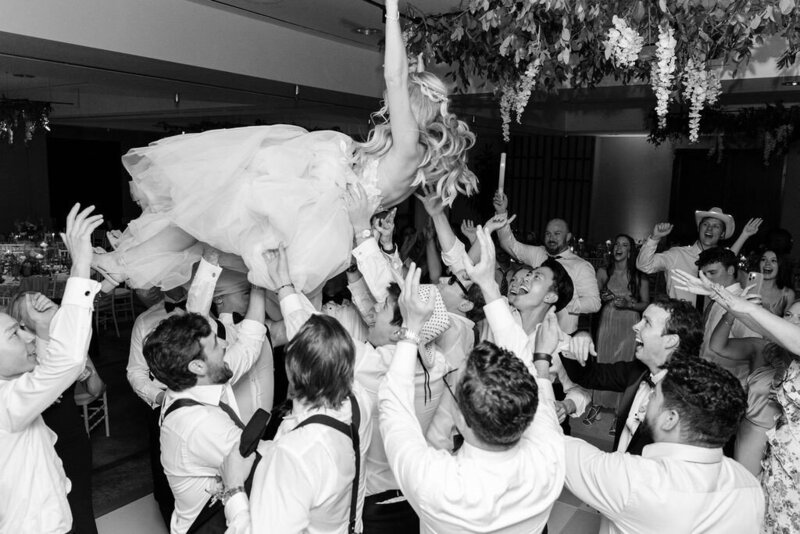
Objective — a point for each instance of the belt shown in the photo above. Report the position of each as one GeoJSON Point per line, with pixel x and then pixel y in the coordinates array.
{"type": "Point", "coordinates": [381, 498]}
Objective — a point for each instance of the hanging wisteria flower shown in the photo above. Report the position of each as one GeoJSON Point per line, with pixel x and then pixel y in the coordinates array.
{"type": "Point", "coordinates": [701, 87]}
{"type": "Point", "coordinates": [506, 100]}
{"type": "Point", "coordinates": [515, 97]}
{"type": "Point", "coordinates": [623, 44]}
{"type": "Point", "coordinates": [662, 72]}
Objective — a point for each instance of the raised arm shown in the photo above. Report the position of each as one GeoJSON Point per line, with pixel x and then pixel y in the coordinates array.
{"type": "Point", "coordinates": [648, 261]}
{"type": "Point", "coordinates": [25, 396]}
{"type": "Point", "coordinates": [243, 353]}
{"type": "Point", "coordinates": [733, 348]}
{"type": "Point", "coordinates": [749, 230]}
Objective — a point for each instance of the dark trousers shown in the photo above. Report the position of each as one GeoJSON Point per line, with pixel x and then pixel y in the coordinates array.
{"type": "Point", "coordinates": [558, 391]}
{"type": "Point", "coordinates": [392, 518]}
{"type": "Point", "coordinates": [161, 490]}
{"type": "Point", "coordinates": [76, 456]}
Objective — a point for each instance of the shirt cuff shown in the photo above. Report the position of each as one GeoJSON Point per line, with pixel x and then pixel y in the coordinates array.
{"type": "Point", "coordinates": [80, 292]}
{"type": "Point", "coordinates": [253, 328]}
{"type": "Point", "coordinates": [236, 505]}
{"type": "Point", "coordinates": [366, 249]}
{"type": "Point", "coordinates": [454, 258]}
{"type": "Point", "coordinates": [291, 304]}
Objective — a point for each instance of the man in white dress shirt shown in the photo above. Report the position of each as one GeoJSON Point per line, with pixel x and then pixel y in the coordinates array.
{"type": "Point", "coordinates": [586, 298]}
{"type": "Point", "coordinates": [33, 486]}
{"type": "Point", "coordinates": [204, 425]}
{"type": "Point", "coordinates": [510, 470]}
{"type": "Point", "coordinates": [681, 482]}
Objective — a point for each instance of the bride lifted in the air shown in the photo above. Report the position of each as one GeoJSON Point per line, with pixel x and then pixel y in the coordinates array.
{"type": "Point", "coordinates": [247, 190]}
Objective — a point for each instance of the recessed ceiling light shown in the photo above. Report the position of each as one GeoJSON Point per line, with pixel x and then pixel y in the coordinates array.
{"type": "Point", "coordinates": [368, 31]}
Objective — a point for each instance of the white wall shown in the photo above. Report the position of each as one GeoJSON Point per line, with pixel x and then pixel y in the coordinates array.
{"type": "Point", "coordinates": [631, 188]}
{"type": "Point", "coordinates": [190, 33]}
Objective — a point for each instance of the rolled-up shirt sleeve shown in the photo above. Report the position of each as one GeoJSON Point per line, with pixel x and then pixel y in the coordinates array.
{"type": "Point", "coordinates": [242, 354]}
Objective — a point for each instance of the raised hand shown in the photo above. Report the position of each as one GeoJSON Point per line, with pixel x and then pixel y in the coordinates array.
{"type": "Point", "coordinates": [414, 310]}
{"type": "Point", "coordinates": [741, 304]}
{"type": "Point", "coordinates": [693, 284]}
{"type": "Point", "coordinates": [278, 267]}
{"type": "Point", "coordinates": [752, 226]}
{"type": "Point", "coordinates": [359, 206]}
{"type": "Point", "coordinates": [547, 335]}
{"type": "Point", "coordinates": [469, 230]}
{"type": "Point", "coordinates": [662, 230]}
{"type": "Point", "coordinates": [482, 273]}
{"type": "Point", "coordinates": [498, 221]}
{"type": "Point", "coordinates": [430, 201]}
{"type": "Point", "coordinates": [385, 228]}
{"type": "Point", "coordinates": [500, 202]}
{"type": "Point", "coordinates": [78, 238]}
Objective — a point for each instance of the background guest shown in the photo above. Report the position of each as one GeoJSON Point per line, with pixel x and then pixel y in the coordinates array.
{"type": "Point", "coordinates": [776, 291]}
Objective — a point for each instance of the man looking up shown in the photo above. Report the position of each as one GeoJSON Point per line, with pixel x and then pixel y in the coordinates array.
{"type": "Point", "coordinates": [586, 298]}
{"type": "Point", "coordinates": [507, 474]}
{"type": "Point", "coordinates": [668, 328]}
{"type": "Point", "coordinates": [681, 482]}
{"type": "Point", "coordinates": [33, 486]}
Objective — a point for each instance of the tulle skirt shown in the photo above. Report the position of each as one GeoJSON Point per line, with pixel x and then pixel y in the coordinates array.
{"type": "Point", "coordinates": [242, 191]}
{"type": "Point", "coordinates": [615, 343]}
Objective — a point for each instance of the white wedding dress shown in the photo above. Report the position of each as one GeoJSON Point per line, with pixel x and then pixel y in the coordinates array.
{"type": "Point", "coordinates": [244, 191]}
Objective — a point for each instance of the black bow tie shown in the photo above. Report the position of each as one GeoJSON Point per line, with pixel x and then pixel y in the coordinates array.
{"type": "Point", "coordinates": [648, 379]}
{"type": "Point", "coordinates": [170, 306]}
{"type": "Point", "coordinates": [237, 317]}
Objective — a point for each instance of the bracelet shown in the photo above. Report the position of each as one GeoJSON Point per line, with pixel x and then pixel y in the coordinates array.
{"type": "Point", "coordinates": [542, 356]}
{"type": "Point", "coordinates": [284, 285]}
{"type": "Point", "coordinates": [392, 251]}
{"type": "Point", "coordinates": [228, 493]}
{"type": "Point", "coordinates": [394, 17]}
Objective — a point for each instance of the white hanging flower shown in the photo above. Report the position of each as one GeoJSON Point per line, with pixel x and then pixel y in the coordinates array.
{"type": "Point", "coordinates": [506, 100]}
{"type": "Point", "coordinates": [662, 72]}
{"type": "Point", "coordinates": [515, 97]}
{"type": "Point", "coordinates": [623, 44]}
{"type": "Point", "coordinates": [701, 87]}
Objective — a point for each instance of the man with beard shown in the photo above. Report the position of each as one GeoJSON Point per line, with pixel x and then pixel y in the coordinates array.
{"type": "Point", "coordinates": [200, 421]}
{"type": "Point", "coordinates": [681, 482]}
{"type": "Point", "coordinates": [668, 328]}
{"type": "Point", "coordinates": [586, 298]}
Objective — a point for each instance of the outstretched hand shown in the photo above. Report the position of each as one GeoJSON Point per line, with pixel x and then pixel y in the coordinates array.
{"type": "Point", "coordinates": [385, 228]}
{"type": "Point", "coordinates": [482, 273]}
{"type": "Point", "coordinates": [499, 221]}
{"type": "Point", "coordinates": [78, 238]}
{"type": "Point", "coordinates": [547, 335]}
{"type": "Point", "coordinates": [500, 202]}
{"type": "Point", "coordinates": [752, 226]}
{"type": "Point", "coordinates": [581, 347]}
{"type": "Point", "coordinates": [431, 201]}
{"type": "Point", "coordinates": [469, 230]}
{"type": "Point", "coordinates": [359, 206]}
{"type": "Point", "coordinates": [740, 304]}
{"type": "Point", "coordinates": [414, 310]}
{"type": "Point", "coordinates": [692, 284]}
{"type": "Point", "coordinates": [277, 262]}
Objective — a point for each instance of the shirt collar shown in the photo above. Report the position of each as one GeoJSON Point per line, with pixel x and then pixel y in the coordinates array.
{"type": "Point", "coordinates": [209, 394]}
{"type": "Point", "coordinates": [457, 317]}
{"type": "Point", "coordinates": [658, 377]}
{"type": "Point", "coordinates": [473, 453]}
{"type": "Point", "coordinates": [686, 453]}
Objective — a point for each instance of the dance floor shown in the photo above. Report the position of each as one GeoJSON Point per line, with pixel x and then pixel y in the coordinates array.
{"type": "Point", "coordinates": [569, 516]}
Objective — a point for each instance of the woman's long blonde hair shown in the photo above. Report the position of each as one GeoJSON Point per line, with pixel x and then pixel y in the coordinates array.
{"type": "Point", "coordinates": [446, 139]}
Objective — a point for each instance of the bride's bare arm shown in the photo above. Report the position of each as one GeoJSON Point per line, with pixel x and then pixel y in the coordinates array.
{"type": "Point", "coordinates": [398, 167]}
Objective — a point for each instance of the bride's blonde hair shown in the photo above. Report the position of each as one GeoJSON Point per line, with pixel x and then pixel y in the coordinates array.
{"type": "Point", "coordinates": [446, 139]}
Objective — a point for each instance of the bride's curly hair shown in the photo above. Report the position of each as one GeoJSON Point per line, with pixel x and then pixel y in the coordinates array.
{"type": "Point", "coordinates": [446, 139]}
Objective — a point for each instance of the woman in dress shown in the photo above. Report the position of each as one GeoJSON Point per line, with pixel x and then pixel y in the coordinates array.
{"type": "Point", "coordinates": [247, 190]}
{"type": "Point", "coordinates": [625, 292]}
{"type": "Point", "coordinates": [776, 292]}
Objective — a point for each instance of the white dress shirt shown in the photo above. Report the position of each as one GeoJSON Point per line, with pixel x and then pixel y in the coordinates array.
{"type": "Point", "coordinates": [475, 490]}
{"type": "Point", "coordinates": [684, 258]}
{"type": "Point", "coordinates": [196, 439]}
{"type": "Point", "coordinates": [198, 300]}
{"type": "Point", "coordinates": [586, 294]}
{"type": "Point", "coordinates": [714, 312]}
{"type": "Point", "coordinates": [671, 488]}
{"type": "Point", "coordinates": [305, 478]}
{"type": "Point", "coordinates": [378, 268]}
{"type": "Point", "coordinates": [33, 486]}
{"type": "Point", "coordinates": [638, 409]}
{"type": "Point", "coordinates": [370, 367]}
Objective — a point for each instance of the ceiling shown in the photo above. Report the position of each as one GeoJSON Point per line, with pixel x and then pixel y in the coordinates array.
{"type": "Point", "coordinates": [100, 88]}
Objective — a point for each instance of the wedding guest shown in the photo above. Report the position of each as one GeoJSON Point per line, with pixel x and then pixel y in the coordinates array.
{"type": "Point", "coordinates": [557, 236]}
{"type": "Point", "coordinates": [720, 266]}
{"type": "Point", "coordinates": [34, 313]}
{"type": "Point", "coordinates": [682, 482]}
{"type": "Point", "coordinates": [776, 291]}
{"type": "Point", "coordinates": [668, 328]}
{"type": "Point", "coordinates": [713, 226]}
{"type": "Point", "coordinates": [33, 485]}
{"type": "Point", "coordinates": [509, 471]}
{"type": "Point", "coordinates": [625, 292]}
{"type": "Point", "coordinates": [200, 420]}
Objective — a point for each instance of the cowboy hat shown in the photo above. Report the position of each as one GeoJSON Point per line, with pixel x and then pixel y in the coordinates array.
{"type": "Point", "coordinates": [717, 213]}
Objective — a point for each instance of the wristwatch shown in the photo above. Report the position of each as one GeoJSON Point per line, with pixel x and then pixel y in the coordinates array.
{"type": "Point", "coordinates": [542, 356]}
{"type": "Point", "coordinates": [366, 233]}
{"type": "Point", "coordinates": [404, 334]}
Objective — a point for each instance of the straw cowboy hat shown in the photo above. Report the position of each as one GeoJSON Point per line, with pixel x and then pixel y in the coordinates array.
{"type": "Point", "coordinates": [717, 213]}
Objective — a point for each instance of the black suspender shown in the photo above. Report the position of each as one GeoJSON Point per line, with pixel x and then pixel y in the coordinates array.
{"type": "Point", "coordinates": [351, 431]}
